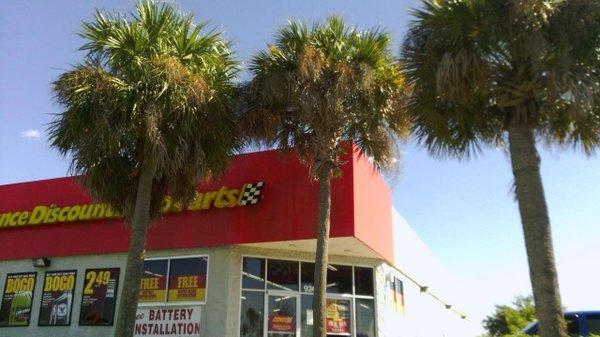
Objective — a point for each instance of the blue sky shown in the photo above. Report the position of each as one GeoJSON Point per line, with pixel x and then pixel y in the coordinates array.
{"type": "Point", "coordinates": [464, 211]}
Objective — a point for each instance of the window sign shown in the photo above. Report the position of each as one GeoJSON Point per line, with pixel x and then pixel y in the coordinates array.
{"type": "Point", "coordinates": [338, 317]}
{"type": "Point", "coordinates": [174, 280]}
{"type": "Point", "coordinates": [398, 294]}
{"type": "Point", "coordinates": [100, 288]}
{"type": "Point", "coordinates": [282, 315]}
{"type": "Point", "coordinates": [154, 281]}
{"type": "Point", "coordinates": [15, 309]}
{"type": "Point", "coordinates": [187, 279]}
{"type": "Point", "coordinates": [57, 298]}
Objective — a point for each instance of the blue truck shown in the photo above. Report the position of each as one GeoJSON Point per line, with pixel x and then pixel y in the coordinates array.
{"type": "Point", "coordinates": [579, 323]}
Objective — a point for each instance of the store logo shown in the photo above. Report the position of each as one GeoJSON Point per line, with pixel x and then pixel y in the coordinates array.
{"type": "Point", "coordinates": [247, 195]}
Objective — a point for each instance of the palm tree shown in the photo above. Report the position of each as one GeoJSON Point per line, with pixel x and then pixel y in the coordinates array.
{"type": "Point", "coordinates": [315, 89]}
{"type": "Point", "coordinates": [516, 71]}
{"type": "Point", "coordinates": [147, 112]}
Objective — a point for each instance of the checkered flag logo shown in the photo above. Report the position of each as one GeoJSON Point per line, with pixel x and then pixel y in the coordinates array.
{"type": "Point", "coordinates": [252, 193]}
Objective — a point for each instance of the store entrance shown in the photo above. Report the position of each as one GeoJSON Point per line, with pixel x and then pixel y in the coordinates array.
{"type": "Point", "coordinates": [282, 314]}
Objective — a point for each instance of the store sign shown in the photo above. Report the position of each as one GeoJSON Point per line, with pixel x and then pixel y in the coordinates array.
{"type": "Point", "coordinates": [338, 316]}
{"type": "Point", "coordinates": [152, 288]}
{"type": "Point", "coordinates": [187, 288]}
{"type": "Point", "coordinates": [15, 309]}
{"type": "Point", "coordinates": [57, 298]}
{"type": "Point", "coordinates": [282, 323]}
{"type": "Point", "coordinates": [246, 195]}
{"type": "Point", "coordinates": [99, 295]}
{"type": "Point", "coordinates": [168, 321]}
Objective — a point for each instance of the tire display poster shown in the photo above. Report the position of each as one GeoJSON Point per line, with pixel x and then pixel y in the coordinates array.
{"type": "Point", "coordinates": [17, 298]}
{"type": "Point", "coordinates": [167, 321]}
{"type": "Point", "coordinates": [99, 296]}
{"type": "Point", "coordinates": [57, 298]}
{"type": "Point", "coordinates": [338, 317]}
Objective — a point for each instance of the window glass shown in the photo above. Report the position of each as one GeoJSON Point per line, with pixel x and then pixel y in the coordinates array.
{"type": "Point", "coordinates": [593, 324]}
{"type": "Point", "coordinates": [282, 316]}
{"type": "Point", "coordinates": [363, 281]}
{"type": "Point", "coordinates": [251, 315]}
{"type": "Point", "coordinates": [187, 279]}
{"type": "Point", "coordinates": [282, 275]}
{"type": "Point", "coordinates": [307, 271]}
{"type": "Point", "coordinates": [306, 315]}
{"type": "Point", "coordinates": [337, 317]}
{"type": "Point", "coordinates": [339, 279]}
{"type": "Point", "coordinates": [572, 325]}
{"type": "Point", "coordinates": [365, 318]}
{"type": "Point", "coordinates": [253, 273]}
{"type": "Point", "coordinates": [154, 281]}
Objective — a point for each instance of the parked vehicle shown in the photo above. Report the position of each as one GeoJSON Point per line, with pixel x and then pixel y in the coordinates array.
{"type": "Point", "coordinates": [579, 323]}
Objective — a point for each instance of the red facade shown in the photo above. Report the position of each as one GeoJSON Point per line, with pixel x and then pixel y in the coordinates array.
{"type": "Point", "coordinates": [361, 208]}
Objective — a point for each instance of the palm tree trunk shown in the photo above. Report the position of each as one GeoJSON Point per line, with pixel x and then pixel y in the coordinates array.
{"type": "Point", "coordinates": [321, 260]}
{"type": "Point", "coordinates": [536, 227]}
{"type": "Point", "coordinates": [135, 258]}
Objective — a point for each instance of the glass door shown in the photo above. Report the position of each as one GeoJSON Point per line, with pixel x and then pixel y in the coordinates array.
{"type": "Point", "coordinates": [282, 314]}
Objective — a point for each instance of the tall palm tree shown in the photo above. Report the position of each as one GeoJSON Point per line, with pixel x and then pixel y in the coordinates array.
{"type": "Point", "coordinates": [516, 71]}
{"type": "Point", "coordinates": [147, 112]}
{"type": "Point", "coordinates": [314, 89]}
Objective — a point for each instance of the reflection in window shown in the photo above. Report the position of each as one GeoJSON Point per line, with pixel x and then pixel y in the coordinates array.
{"type": "Point", "coordinates": [339, 279]}
{"type": "Point", "coordinates": [365, 318]}
{"type": "Point", "coordinates": [187, 279]}
{"type": "Point", "coordinates": [253, 273]}
{"type": "Point", "coordinates": [593, 324]}
{"type": "Point", "coordinates": [363, 281]}
{"type": "Point", "coordinates": [306, 316]}
{"type": "Point", "coordinates": [251, 315]}
{"type": "Point", "coordinates": [282, 275]}
{"type": "Point", "coordinates": [154, 281]}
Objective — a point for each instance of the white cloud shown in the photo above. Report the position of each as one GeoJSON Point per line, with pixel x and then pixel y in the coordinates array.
{"type": "Point", "coordinates": [31, 133]}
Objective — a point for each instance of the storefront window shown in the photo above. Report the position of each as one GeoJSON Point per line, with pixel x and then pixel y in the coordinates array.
{"type": "Point", "coordinates": [363, 281]}
{"type": "Point", "coordinates": [349, 299]}
{"type": "Point", "coordinates": [186, 282]}
{"type": "Point", "coordinates": [282, 275]}
{"type": "Point", "coordinates": [154, 281]}
{"type": "Point", "coordinates": [282, 316]}
{"type": "Point", "coordinates": [339, 279]}
{"type": "Point", "coordinates": [365, 318]}
{"type": "Point", "coordinates": [253, 273]}
{"type": "Point", "coordinates": [307, 277]}
{"type": "Point", "coordinates": [251, 320]}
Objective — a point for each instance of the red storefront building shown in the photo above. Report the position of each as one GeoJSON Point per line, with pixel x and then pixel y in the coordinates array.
{"type": "Point", "coordinates": [236, 262]}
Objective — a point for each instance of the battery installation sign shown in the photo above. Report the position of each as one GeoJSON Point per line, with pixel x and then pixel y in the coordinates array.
{"type": "Point", "coordinates": [57, 298]}
{"type": "Point", "coordinates": [17, 299]}
{"type": "Point", "coordinates": [246, 195]}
